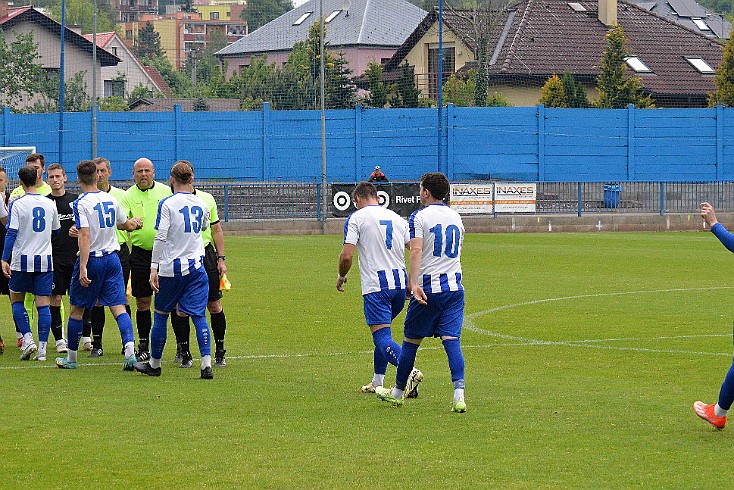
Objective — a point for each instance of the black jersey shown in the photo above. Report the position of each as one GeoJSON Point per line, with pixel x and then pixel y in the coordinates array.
{"type": "Point", "coordinates": [64, 247]}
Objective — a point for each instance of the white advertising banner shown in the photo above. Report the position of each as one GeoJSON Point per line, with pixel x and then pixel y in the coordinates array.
{"type": "Point", "coordinates": [513, 197]}
{"type": "Point", "coordinates": [471, 198]}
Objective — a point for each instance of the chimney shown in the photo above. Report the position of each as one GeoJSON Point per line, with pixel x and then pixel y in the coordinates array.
{"type": "Point", "coordinates": [77, 28]}
{"type": "Point", "coordinates": [608, 12]}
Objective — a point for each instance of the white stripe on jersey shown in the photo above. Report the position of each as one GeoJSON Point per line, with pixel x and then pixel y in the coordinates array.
{"type": "Point", "coordinates": [34, 217]}
{"type": "Point", "coordinates": [101, 213]}
{"type": "Point", "coordinates": [181, 219]}
{"type": "Point", "coordinates": [380, 236]}
{"type": "Point", "coordinates": [442, 232]}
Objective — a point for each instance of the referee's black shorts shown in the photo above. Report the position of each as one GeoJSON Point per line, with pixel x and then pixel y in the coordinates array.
{"type": "Point", "coordinates": [140, 272]}
{"type": "Point", "coordinates": [210, 265]}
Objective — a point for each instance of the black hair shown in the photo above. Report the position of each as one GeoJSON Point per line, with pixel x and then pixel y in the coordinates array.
{"type": "Point", "coordinates": [87, 172]}
{"type": "Point", "coordinates": [28, 176]}
{"type": "Point", "coordinates": [436, 183]}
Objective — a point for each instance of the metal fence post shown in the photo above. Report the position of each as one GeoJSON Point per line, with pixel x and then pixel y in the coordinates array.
{"type": "Point", "coordinates": [579, 201]}
{"type": "Point", "coordinates": [662, 198]}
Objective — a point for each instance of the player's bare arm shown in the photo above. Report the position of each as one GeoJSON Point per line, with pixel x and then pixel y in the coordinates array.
{"type": "Point", "coordinates": [708, 214]}
{"type": "Point", "coordinates": [84, 245]}
{"type": "Point", "coordinates": [218, 239]}
{"type": "Point", "coordinates": [131, 225]}
{"type": "Point", "coordinates": [416, 254]}
{"type": "Point", "coordinates": [345, 264]}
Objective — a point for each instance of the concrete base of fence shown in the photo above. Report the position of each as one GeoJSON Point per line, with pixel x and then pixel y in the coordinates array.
{"type": "Point", "coordinates": [501, 224]}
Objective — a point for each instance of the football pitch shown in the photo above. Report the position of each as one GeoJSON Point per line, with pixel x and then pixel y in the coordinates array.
{"type": "Point", "coordinates": [584, 355]}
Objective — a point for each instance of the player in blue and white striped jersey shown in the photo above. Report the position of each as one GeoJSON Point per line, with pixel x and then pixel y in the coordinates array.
{"type": "Point", "coordinates": [437, 306]}
{"type": "Point", "coordinates": [379, 236]}
{"type": "Point", "coordinates": [97, 275]}
{"type": "Point", "coordinates": [177, 273]}
{"type": "Point", "coordinates": [27, 261]}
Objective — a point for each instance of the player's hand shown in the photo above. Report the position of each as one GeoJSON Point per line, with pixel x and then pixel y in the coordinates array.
{"type": "Point", "coordinates": [708, 214]}
{"type": "Point", "coordinates": [154, 279]}
{"type": "Point", "coordinates": [420, 295]}
{"type": "Point", "coordinates": [6, 269]}
{"type": "Point", "coordinates": [138, 222]}
{"type": "Point", "coordinates": [83, 278]}
{"type": "Point", "coordinates": [74, 232]}
{"type": "Point", "coordinates": [340, 281]}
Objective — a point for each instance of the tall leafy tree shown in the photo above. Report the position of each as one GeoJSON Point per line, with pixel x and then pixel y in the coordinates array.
{"type": "Point", "coordinates": [19, 69]}
{"type": "Point", "coordinates": [81, 13]}
{"type": "Point", "coordinates": [616, 90]}
{"type": "Point", "coordinates": [575, 92]}
{"type": "Point", "coordinates": [407, 95]}
{"type": "Point", "coordinates": [260, 12]}
{"type": "Point", "coordinates": [148, 43]}
{"type": "Point", "coordinates": [724, 79]}
{"type": "Point", "coordinates": [461, 93]}
{"type": "Point", "coordinates": [377, 97]}
{"type": "Point", "coordinates": [553, 93]}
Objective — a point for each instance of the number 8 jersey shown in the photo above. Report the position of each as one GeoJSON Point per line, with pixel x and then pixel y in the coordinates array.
{"type": "Point", "coordinates": [101, 213]}
{"type": "Point", "coordinates": [442, 232]}
{"type": "Point", "coordinates": [33, 217]}
{"type": "Point", "coordinates": [178, 245]}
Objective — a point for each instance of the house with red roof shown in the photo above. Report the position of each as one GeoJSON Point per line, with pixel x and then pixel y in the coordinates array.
{"type": "Point", "coordinates": [536, 39]}
{"type": "Point", "coordinates": [130, 73]}
{"type": "Point", "coordinates": [47, 36]}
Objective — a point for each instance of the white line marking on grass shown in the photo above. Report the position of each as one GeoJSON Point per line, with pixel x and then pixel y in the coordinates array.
{"type": "Point", "coordinates": [589, 343]}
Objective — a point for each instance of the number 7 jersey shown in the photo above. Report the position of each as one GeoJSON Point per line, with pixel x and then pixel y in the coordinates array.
{"type": "Point", "coordinates": [181, 219]}
{"type": "Point", "coordinates": [101, 213]}
{"type": "Point", "coordinates": [442, 232]}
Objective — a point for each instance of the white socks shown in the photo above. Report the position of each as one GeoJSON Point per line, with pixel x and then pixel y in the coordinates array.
{"type": "Point", "coordinates": [397, 393]}
{"type": "Point", "coordinates": [155, 363]}
{"type": "Point", "coordinates": [129, 349]}
{"type": "Point", "coordinates": [720, 412]}
{"type": "Point", "coordinates": [206, 361]}
{"type": "Point", "coordinates": [378, 379]}
{"type": "Point", "coordinates": [458, 394]}
{"type": "Point", "coordinates": [71, 356]}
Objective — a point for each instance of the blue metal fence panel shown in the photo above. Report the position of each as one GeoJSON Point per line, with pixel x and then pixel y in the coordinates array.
{"type": "Point", "coordinates": [507, 143]}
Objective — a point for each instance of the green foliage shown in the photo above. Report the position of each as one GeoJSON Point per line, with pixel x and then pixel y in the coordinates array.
{"type": "Point", "coordinates": [407, 95]}
{"type": "Point", "coordinates": [148, 43]}
{"type": "Point", "coordinates": [724, 79]}
{"type": "Point", "coordinates": [481, 78]}
{"type": "Point", "coordinates": [459, 92]}
{"type": "Point", "coordinates": [260, 12]}
{"type": "Point", "coordinates": [200, 104]}
{"type": "Point", "coordinates": [575, 92]}
{"type": "Point", "coordinates": [75, 94]}
{"type": "Point", "coordinates": [113, 104]}
{"type": "Point", "coordinates": [19, 68]}
{"type": "Point", "coordinates": [725, 7]}
{"type": "Point", "coordinates": [142, 92]}
{"type": "Point", "coordinates": [81, 13]}
{"type": "Point", "coordinates": [497, 100]}
{"type": "Point", "coordinates": [553, 93]}
{"type": "Point", "coordinates": [178, 83]}
{"type": "Point", "coordinates": [378, 90]}
{"type": "Point", "coordinates": [616, 91]}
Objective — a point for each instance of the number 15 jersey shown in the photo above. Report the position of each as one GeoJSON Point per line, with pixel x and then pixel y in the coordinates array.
{"type": "Point", "coordinates": [181, 219]}
{"type": "Point", "coordinates": [101, 213]}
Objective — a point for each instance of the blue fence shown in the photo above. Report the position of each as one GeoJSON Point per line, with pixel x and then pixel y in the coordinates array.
{"type": "Point", "coordinates": [532, 144]}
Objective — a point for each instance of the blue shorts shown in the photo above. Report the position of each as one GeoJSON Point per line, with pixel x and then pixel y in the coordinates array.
{"type": "Point", "coordinates": [442, 316]}
{"type": "Point", "coordinates": [189, 292]}
{"type": "Point", "coordinates": [107, 287]}
{"type": "Point", "coordinates": [381, 307]}
{"type": "Point", "coordinates": [38, 283]}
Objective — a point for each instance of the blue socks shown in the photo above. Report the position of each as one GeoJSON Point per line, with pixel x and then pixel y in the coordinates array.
{"type": "Point", "coordinates": [726, 394]}
{"type": "Point", "coordinates": [202, 335]}
{"type": "Point", "coordinates": [456, 361]}
{"type": "Point", "coordinates": [386, 350]}
{"type": "Point", "coordinates": [125, 324]}
{"type": "Point", "coordinates": [158, 335]}
{"type": "Point", "coordinates": [44, 323]}
{"type": "Point", "coordinates": [20, 315]}
{"type": "Point", "coordinates": [75, 332]}
{"type": "Point", "coordinates": [405, 364]}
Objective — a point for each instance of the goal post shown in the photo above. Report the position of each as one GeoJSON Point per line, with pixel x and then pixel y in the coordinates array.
{"type": "Point", "coordinates": [12, 158]}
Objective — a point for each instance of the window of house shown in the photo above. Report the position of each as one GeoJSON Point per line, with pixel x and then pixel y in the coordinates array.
{"type": "Point", "coordinates": [701, 24]}
{"type": "Point", "coordinates": [113, 50]}
{"type": "Point", "coordinates": [449, 67]}
{"type": "Point", "coordinates": [302, 18]}
{"type": "Point", "coordinates": [332, 16]}
{"type": "Point", "coordinates": [577, 7]}
{"type": "Point", "coordinates": [636, 64]}
{"type": "Point", "coordinates": [114, 88]}
{"type": "Point", "coordinates": [701, 65]}
{"type": "Point", "coordinates": [213, 15]}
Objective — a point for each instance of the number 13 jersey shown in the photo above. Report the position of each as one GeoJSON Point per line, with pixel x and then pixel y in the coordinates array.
{"type": "Point", "coordinates": [181, 219]}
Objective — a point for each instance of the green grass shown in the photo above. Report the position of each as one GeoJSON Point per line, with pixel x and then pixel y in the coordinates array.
{"type": "Point", "coordinates": [584, 354]}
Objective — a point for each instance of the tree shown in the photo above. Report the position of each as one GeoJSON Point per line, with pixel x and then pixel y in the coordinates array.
{"type": "Point", "coordinates": [407, 95]}
{"type": "Point", "coordinates": [148, 43]}
{"type": "Point", "coordinates": [553, 93]}
{"type": "Point", "coordinates": [724, 78]}
{"type": "Point", "coordinates": [461, 93]}
{"type": "Point", "coordinates": [178, 83]}
{"type": "Point", "coordinates": [113, 104]}
{"type": "Point", "coordinates": [19, 69]}
{"type": "Point", "coordinates": [260, 12]}
{"type": "Point", "coordinates": [377, 97]}
{"type": "Point", "coordinates": [616, 91]}
{"type": "Point", "coordinates": [142, 92]}
{"type": "Point", "coordinates": [575, 92]}
{"type": "Point", "coordinates": [81, 13]}
{"type": "Point", "coordinates": [75, 94]}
